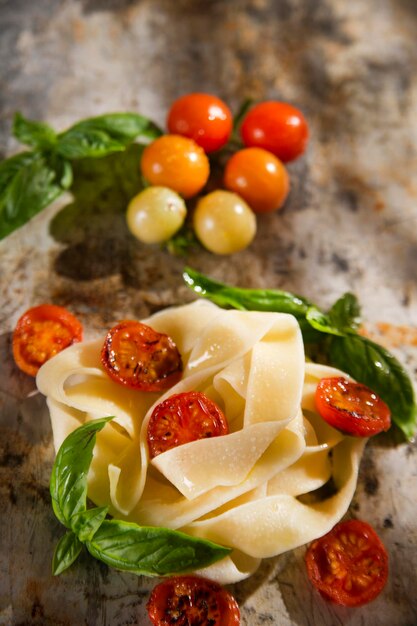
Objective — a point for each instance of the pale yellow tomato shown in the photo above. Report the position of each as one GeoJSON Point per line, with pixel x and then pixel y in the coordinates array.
{"type": "Point", "coordinates": [155, 214]}
{"type": "Point", "coordinates": [224, 223]}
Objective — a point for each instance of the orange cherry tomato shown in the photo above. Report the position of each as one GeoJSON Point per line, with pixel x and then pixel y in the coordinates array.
{"type": "Point", "coordinates": [277, 127]}
{"type": "Point", "coordinates": [176, 162]}
{"type": "Point", "coordinates": [201, 117]}
{"type": "Point", "coordinates": [259, 178]}
{"type": "Point", "coordinates": [351, 407]}
{"type": "Point", "coordinates": [42, 332]}
{"type": "Point", "coordinates": [182, 418]}
{"type": "Point", "coordinates": [349, 565]}
{"type": "Point", "coordinates": [138, 357]}
{"type": "Point", "coordinates": [191, 600]}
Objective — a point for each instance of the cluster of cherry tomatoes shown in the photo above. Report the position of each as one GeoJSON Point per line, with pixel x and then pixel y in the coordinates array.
{"type": "Point", "coordinates": [255, 179]}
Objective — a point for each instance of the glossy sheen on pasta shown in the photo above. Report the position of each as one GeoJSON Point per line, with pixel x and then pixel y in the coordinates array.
{"type": "Point", "coordinates": [252, 489]}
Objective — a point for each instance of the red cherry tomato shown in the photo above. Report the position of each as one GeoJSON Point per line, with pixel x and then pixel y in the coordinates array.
{"type": "Point", "coordinates": [277, 127]}
{"type": "Point", "coordinates": [176, 162]}
{"type": "Point", "coordinates": [201, 117]}
{"type": "Point", "coordinates": [182, 418]}
{"type": "Point", "coordinates": [351, 407]}
{"type": "Point", "coordinates": [191, 600]}
{"type": "Point", "coordinates": [349, 565]}
{"type": "Point", "coordinates": [42, 332]}
{"type": "Point", "coordinates": [259, 178]}
{"type": "Point", "coordinates": [138, 357]}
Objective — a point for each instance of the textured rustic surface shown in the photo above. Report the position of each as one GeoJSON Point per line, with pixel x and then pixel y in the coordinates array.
{"type": "Point", "coordinates": [350, 224]}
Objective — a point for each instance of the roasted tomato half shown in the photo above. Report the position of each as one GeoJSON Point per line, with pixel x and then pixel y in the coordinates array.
{"type": "Point", "coordinates": [192, 601]}
{"type": "Point", "coordinates": [139, 357]}
{"type": "Point", "coordinates": [42, 332]}
{"type": "Point", "coordinates": [349, 565]}
{"type": "Point", "coordinates": [351, 407]}
{"type": "Point", "coordinates": [182, 418]}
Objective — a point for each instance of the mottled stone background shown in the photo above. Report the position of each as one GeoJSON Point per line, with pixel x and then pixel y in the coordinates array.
{"type": "Point", "coordinates": [350, 224]}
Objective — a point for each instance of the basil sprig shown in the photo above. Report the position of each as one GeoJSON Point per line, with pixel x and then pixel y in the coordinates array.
{"type": "Point", "coordinates": [335, 337]}
{"type": "Point", "coordinates": [150, 551]}
{"type": "Point", "coordinates": [31, 180]}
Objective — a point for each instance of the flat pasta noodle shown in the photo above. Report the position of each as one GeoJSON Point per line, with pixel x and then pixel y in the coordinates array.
{"type": "Point", "coordinates": [256, 489]}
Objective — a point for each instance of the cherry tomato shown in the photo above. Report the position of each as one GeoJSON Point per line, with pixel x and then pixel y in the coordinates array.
{"type": "Point", "coordinates": [42, 332]}
{"type": "Point", "coordinates": [176, 162]}
{"type": "Point", "coordinates": [351, 407]}
{"type": "Point", "coordinates": [191, 600]}
{"type": "Point", "coordinates": [349, 565]}
{"type": "Point", "coordinates": [277, 127]}
{"type": "Point", "coordinates": [201, 117]}
{"type": "Point", "coordinates": [259, 178]}
{"type": "Point", "coordinates": [138, 357]}
{"type": "Point", "coordinates": [155, 214]}
{"type": "Point", "coordinates": [182, 418]}
{"type": "Point", "coordinates": [223, 222]}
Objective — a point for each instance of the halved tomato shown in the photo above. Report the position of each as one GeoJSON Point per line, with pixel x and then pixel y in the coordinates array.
{"type": "Point", "coordinates": [191, 600]}
{"type": "Point", "coordinates": [351, 407]}
{"type": "Point", "coordinates": [42, 332]}
{"type": "Point", "coordinates": [182, 418]}
{"type": "Point", "coordinates": [139, 357]}
{"type": "Point", "coordinates": [349, 565]}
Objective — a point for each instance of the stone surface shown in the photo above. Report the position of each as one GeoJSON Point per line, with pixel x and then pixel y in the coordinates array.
{"type": "Point", "coordinates": [350, 224]}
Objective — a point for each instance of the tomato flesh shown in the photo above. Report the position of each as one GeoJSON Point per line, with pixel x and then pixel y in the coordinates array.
{"type": "Point", "coordinates": [192, 601]}
{"type": "Point", "coordinates": [202, 117]}
{"type": "Point", "coordinates": [139, 357]}
{"type": "Point", "coordinates": [351, 407]}
{"type": "Point", "coordinates": [349, 565]}
{"type": "Point", "coordinates": [182, 418]}
{"type": "Point", "coordinates": [278, 127]}
{"type": "Point", "coordinates": [41, 333]}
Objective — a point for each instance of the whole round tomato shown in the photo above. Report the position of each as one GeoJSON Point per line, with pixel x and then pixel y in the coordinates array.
{"type": "Point", "coordinates": [259, 178]}
{"type": "Point", "coordinates": [277, 127]}
{"type": "Point", "coordinates": [223, 222]}
{"type": "Point", "coordinates": [349, 565]}
{"type": "Point", "coordinates": [155, 214]}
{"type": "Point", "coordinates": [182, 418]}
{"type": "Point", "coordinates": [42, 332]}
{"type": "Point", "coordinates": [202, 117]}
{"type": "Point", "coordinates": [136, 356]}
{"type": "Point", "coordinates": [351, 407]}
{"type": "Point", "coordinates": [176, 162]}
{"type": "Point", "coordinates": [186, 600]}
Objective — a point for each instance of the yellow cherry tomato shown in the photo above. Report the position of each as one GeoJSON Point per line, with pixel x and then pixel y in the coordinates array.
{"type": "Point", "coordinates": [155, 214]}
{"type": "Point", "coordinates": [176, 162]}
{"type": "Point", "coordinates": [224, 223]}
{"type": "Point", "coordinates": [259, 177]}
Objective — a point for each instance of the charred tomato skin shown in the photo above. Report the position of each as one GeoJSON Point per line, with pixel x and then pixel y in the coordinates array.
{"type": "Point", "coordinates": [182, 418]}
{"type": "Point", "coordinates": [192, 600]}
{"type": "Point", "coordinates": [40, 333]}
{"type": "Point", "coordinates": [137, 356]}
{"type": "Point", "coordinates": [351, 407]}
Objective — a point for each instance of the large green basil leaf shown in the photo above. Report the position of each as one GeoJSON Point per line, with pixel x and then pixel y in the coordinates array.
{"type": "Point", "coordinates": [28, 183]}
{"type": "Point", "coordinates": [86, 523]}
{"type": "Point", "coordinates": [36, 134]}
{"type": "Point", "coordinates": [68, 485]}
{"type": "Point", "coordinates": [345, 312]}
{"type": "Point", "coordinates": [322, 322]}
{"type": "Point", "coordinates": [151, 551]}
{"type": "Point", "coordinates": [66, 551]}
{"type": "Point", "coordinates": [371, 364]}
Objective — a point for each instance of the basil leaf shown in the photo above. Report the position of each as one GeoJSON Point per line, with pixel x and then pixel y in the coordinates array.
{"type": "Point", "coordinates": [86, 523]}
{"type": "Point", "coordinates": [374, 366]}
{"type": "Point", "coordinates": [68, 485]}
{"type": "Point", "coordinates": [345, 312]}
{"type": "Point", "coordinates": [321, 322]}
{"type": "Point", "coordinates": [27, 185]}
{"type": "Point", "coordinates": [103, 135]}
{"type": "Point", "coordinates": [36, 134]}
{"type": "Point", "coordinates": [151, 551]}
{"type": "Point", "coordinates": [66, 551]}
